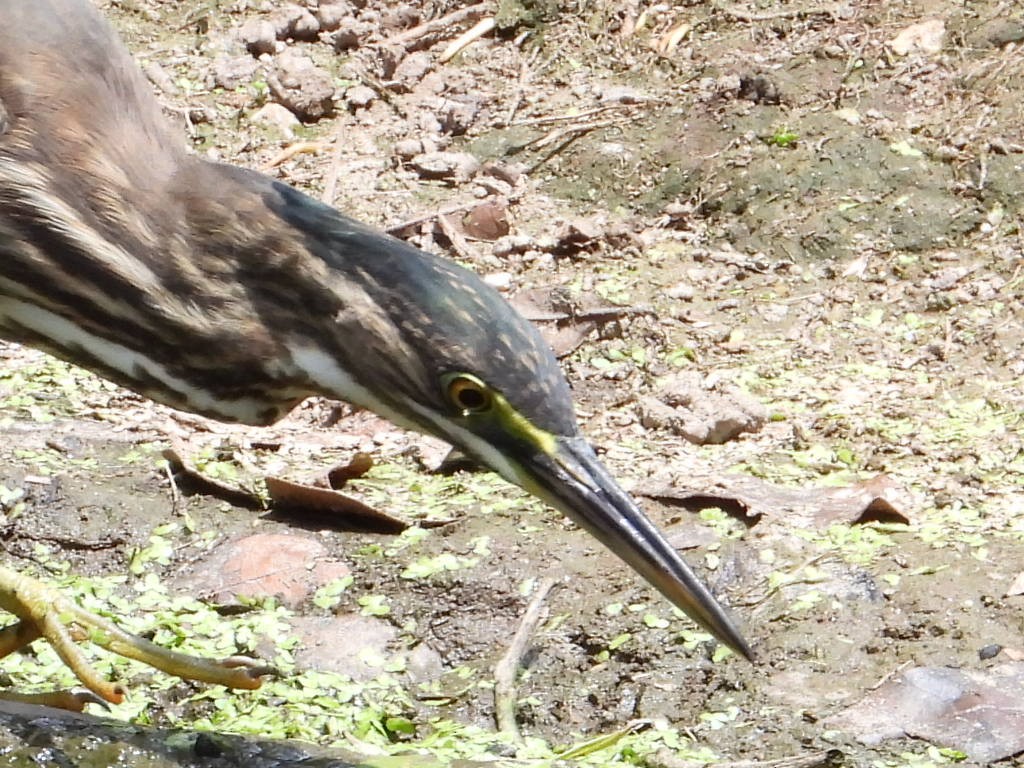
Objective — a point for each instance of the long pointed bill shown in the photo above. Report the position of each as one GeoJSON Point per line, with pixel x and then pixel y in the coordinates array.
{"type": "Point", "coordinates": [575, 482]}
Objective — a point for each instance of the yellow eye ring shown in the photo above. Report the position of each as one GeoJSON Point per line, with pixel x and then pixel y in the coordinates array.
{"type": "Point", "coordinates": [467, 394]}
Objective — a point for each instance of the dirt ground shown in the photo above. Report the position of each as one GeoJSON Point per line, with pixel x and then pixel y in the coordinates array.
{"type": "Point", "coordinates": [810, 211]}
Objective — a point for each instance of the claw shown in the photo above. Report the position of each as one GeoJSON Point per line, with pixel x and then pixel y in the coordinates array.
{"type": "Point", "coordinates": [72, 701]}
{"type": "Point", "coordinates": [44, 613]}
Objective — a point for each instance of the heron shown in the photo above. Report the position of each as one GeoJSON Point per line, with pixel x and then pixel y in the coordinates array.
{"type": "Point", "coordinates": [220, 291]}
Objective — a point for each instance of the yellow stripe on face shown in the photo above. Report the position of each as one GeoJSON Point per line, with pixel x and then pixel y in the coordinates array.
{"type": "Point", "coordinates": [514, 424]}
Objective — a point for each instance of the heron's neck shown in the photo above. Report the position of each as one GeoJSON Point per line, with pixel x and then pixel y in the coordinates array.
{"type": "Point", "coordinates": [182, 309]}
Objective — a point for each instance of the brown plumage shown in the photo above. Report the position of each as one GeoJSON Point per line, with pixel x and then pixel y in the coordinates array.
{"type": "Point", "coordinates": [223, 292]}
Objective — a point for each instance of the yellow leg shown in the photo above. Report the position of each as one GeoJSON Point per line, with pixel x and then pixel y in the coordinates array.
{"type": "Point", "coordinates": [45, 613]}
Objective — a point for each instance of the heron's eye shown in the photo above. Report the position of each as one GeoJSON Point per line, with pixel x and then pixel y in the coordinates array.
{"type": "Point", "coordinates": [468, 394]}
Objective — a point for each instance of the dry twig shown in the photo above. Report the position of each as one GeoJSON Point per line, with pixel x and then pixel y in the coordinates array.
{"type": "Point", "coordinates": [467, 38]}
{"type": "Point", "coordinates": [434, 25]}
{"type": "Point", "coordinates": [333, 171]}
{"type": "Point", "coordinates": [458, 208]}
{"type": "Point", "coordinates": [890, 675]}
{"type": "Point", "coordinates": [506, 669]}
{"type": "Point", "coordinates": [298, 148]}
{"type": "Point", "coordinates": [525, 75]}
{"type": "Point", "coordinates": [565, 137]}
{"type": "Point", "coordinates": [742, 14]}
{"type": "Point", "coordinates": [458, 242]}
{"type": "Point", "coordinates": [573, 116]}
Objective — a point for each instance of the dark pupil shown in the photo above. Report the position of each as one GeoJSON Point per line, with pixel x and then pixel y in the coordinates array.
{"type": "Point", "coordinates": [470, 398]}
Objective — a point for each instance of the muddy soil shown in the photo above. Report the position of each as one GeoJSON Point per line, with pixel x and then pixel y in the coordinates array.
{"type": "Point", "coordinates": [817, 203]}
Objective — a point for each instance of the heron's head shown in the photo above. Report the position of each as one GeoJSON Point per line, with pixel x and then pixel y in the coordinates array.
{"type": "Point", "coordinates": [431, 346]}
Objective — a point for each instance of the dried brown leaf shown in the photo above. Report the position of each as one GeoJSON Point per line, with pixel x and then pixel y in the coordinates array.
{"type": "Point", "coordinates": [322, 506]}
{"type": "Point", "coordinates": [190, 480]}
{"type": "Point", "coordinates": [979, 712]}
{"type": "Point", "coordinates": [752, 498]}
{"type": "Point", "coordinates": [357, 466]}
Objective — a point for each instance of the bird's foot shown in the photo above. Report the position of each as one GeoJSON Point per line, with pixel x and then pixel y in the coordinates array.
{"type": "Point", "coordinates": [44, 613]}
{"type": "Point", "coordinates": [72, 701]}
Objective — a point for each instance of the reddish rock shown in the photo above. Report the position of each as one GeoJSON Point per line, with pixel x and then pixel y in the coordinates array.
{"type": "Point", "coordinates": [284, 566]}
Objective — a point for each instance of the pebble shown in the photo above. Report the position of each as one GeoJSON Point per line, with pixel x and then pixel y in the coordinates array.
{"type": "Point", "coordinates": [332, 15]}
{"type": "Point", "coordinates": [305, 89]}
{"type": "Point", "coordinates": [454, 166]}
{"type": "Point", "coordinates": [293, 22]}
{"type": "Point", "coordinates": [230, 72]}
{"type": "Point", "coordinates": [278, 117]}
{"type": "Point", "coordinates": [359, 96]}
{"type": "Point", "coordinates": [258, 37]}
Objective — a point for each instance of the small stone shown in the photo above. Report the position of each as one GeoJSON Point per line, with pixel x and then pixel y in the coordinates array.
{"type": "Point", "coordinates": [924, 37]}
{"type": "Point", "coordinates": [359, 96]}
{"type": "Point", "coordinates": [399, 17]}
{"type": "Point", "coordinates": [451, 166]}
{"type": "Point", "coordinates": [681, 292]}
{"type": "Point", "coordinates": [292, 22]}
{"type": "Point", "coordinates": [705, 415]}
{"type": "Point", "coordinates": [510, 174]}
{"type": "Point", "coordinates": [501, 281]}
{"type": "Point", "coordinates": [989, 651]}
{"type": "Point", "coordinates": [1004, 32]}
{"type": "Point", "coordinates": [230, 72]}
{"type": "Point", "coordinates": [258, 36]}
{"type": "Point", "coordinates": [368, 648]}
{"type": "Point", "coordinates": [728, 85]}
{"type": "Point", "coordinates": [512, 244]}
{"type": "Point", "coordinates": [849, 115]}
{"type": "Point", "coordinates": [577, 235]}
{"type": "Point", "coordinates": [458, 115]}
{"type": "Point", "coordinates": [623, 94]}
{"type": "Point", "coordinates": [408, 148]}
{"type": "Point", "coordinates": [332, 15]}
{"type": "Point", "coordinates": [759, 89]}
{"type": "Point", "coordinates": [368, 640]}
{"type": "Point", "coordinates": [413, 68]}
{"type": "Point", "coordinates": [302, 87]}
{"type": "Point", "coordinates": [388, 59]}
{"type": "Point", "coordinates": [347, 38]}
{"type": "Point", "coordinates": [487, 221]}
{"type": "Point", "coordinates": [491, 187]}
{"type": "Point", "coordinates": [277, 116]}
